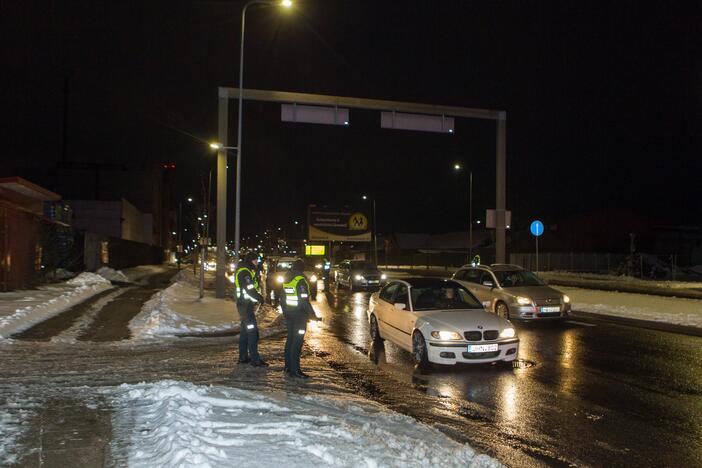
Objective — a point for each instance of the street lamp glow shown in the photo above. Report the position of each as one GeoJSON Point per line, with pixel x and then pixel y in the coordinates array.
{"type": "Point", "coordinates": [190, 199]}
{"type": "Point", "coordinates": [286, 3]}
{"type": "Point", "coordinates": [457, 167]}
{"type": "Point", "coordinates": [215, 145]}
{"type": "Point", "coordinates": [365, 197]}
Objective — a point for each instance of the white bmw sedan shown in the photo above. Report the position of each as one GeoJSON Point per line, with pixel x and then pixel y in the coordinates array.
{"type": "Point", "coordinates": [440, 321]}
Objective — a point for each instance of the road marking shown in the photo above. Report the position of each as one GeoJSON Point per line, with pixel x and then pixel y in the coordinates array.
{"type": "Point", "coordinates": [584, 324]}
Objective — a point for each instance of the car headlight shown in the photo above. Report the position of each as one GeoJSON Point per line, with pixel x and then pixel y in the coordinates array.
{"type": "Point", "coordinates": [523, 300]}
{"type": "Point", "coordinates": [566, 299]}
{"type": "Point", "coordinates": [383, 276]}
{"type": "Point", "coordinates": [445, 335]}
{"type": "Point", "coordinates": [318, 266]}
{"type": "Point", "coordinates": [313, 278]}
{"type": "Point", "coordinates": [507, 333]}
{"type": "Point", "coordinates": [358, 277]}
{"type": "Point", "coordinates": [279, 279]}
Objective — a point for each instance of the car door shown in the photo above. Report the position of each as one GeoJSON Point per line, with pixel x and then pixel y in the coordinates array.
{"type": "Point", "coordinates": [485, 288]}
{"type": "Point", "coordinates": [384, 309]}
{"type": "Point", "coordinates": [402, 320]}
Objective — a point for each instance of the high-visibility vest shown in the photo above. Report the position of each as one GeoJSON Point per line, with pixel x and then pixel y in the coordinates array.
{"type": "Point", "coordinates": [290, 291]}
{"type": "Point", "coordinates": [241, 292]}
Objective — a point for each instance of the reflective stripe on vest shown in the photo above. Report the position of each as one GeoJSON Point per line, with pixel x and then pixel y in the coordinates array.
{"type": "Point", "coordinates": [241, 292]}
{"type": "Point", "coordinates": [290, 290]}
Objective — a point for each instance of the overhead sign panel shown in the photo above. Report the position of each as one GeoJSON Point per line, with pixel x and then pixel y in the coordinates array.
{"type": "Point", "coordinates": [314, 114]}
{"type": "Point", "coordinates": [315, 250]}
{"type": "Point", "coordinates": [418, 122]}
{"type": "Point", "coordinates": [331, 224]}
{"type": "Point", "coordinates": [491, 219]}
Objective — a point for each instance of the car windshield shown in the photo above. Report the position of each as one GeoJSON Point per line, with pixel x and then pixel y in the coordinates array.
{"type": "Point", "coordinates": [283, 266]}
{"type": "Point", "coordinates": [517, 278]}
{"type": "Point", "coordinates": [363, 266]}
{"type": "Point", "coordinates": [443, 296]}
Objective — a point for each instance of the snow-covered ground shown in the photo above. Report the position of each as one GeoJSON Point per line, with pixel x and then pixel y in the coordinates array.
{"type": "Point", "coordinates": [178, 310]}
{"type": "Point", "coordinates": [637, 306]}
{"type": "Point", "coordinates": [170, 423]}
{"type": "Point", "coordinates": [20, 310]}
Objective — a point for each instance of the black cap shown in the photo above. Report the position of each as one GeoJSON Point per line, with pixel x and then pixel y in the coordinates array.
{"type": "Point", "coordinates": [251, 257]}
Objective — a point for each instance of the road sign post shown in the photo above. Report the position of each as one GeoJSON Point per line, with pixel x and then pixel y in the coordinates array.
{"type": "Point", "coordinates": [537, 228]}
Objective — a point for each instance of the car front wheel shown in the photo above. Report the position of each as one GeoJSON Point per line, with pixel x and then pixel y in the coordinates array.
{"type": "Point", "coordinates": [502, 310]}
{"type": "Point", "coordinates": [419, 350]}
{"type": "Point", "coordinates": [375, 330]}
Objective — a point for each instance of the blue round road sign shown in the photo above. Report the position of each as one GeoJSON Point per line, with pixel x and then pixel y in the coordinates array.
{"type": "Point", "coordinates": [537, 228]}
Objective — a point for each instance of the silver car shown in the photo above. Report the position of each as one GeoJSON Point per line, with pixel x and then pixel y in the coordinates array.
{"type": "Point", "coordinates": [513, 292]}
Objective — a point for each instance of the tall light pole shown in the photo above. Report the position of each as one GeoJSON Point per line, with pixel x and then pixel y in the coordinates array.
{"type": "Point", "coordinates": [458, 167]}
{"type": "Point", "coordinates": [222, 156]}
{"type": "Point", "coordinates": [237, 210]}
{"type": "Point", "coordinates": [375, 232]}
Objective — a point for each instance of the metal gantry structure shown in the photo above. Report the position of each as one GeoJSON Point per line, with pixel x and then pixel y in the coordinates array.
{"type": "Point", "coordinates": [283, 97]}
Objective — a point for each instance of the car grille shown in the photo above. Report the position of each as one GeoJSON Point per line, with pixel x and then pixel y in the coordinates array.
{"type": "Point", "coordinates": [489, 355]}
{"type": "Point", "coordinates": [487, 335]}
{"type": "Point", "coordinates": [548, 302]}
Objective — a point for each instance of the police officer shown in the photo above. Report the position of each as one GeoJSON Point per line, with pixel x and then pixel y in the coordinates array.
{"type": "Point", "coordinates": [295, 302]}
{"type": "Point", "coordinates": [248, 296]}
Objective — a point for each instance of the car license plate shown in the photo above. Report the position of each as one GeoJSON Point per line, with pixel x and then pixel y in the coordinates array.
{"type": "Point", "coordinates": [551, 309]}
{"type": "Point", "coordinates": [482, 348]}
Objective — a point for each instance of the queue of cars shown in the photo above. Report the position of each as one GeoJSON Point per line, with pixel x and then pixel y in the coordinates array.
{"type": "Point", "coordinates": [465, 319]}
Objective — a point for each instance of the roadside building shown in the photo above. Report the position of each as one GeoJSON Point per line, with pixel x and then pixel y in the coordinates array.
{"type": "Point", "coordinates": [25, 223]}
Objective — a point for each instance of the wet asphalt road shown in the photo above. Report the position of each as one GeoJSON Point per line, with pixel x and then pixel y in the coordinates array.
{"type": "Point", "coordinates": [589, 392]}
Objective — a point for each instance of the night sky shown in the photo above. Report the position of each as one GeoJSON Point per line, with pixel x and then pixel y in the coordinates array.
{"type": "Point", "coordinates": [603, 101]}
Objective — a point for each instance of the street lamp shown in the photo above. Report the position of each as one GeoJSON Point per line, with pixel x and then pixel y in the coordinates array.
{"type": "Point", "coordinates": [221, 228]}
{"type": "Point", "coordinates": [458, 167]}
{"type": "Point", "coordinates": [375, 231]}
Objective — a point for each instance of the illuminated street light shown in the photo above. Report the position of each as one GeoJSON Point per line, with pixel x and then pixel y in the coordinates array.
{"type": "Point", "coordinates": [222, 163]}
{"type": "Point", "coordinates": [190, 199]}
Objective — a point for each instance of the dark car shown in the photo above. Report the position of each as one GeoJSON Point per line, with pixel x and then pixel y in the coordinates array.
{"type": "Point", "coordinates": [359, 274]}
{"type": "Point", "coordinates": [274, 279]}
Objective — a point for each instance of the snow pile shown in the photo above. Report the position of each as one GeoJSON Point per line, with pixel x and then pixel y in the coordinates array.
{"type": "Point", "coordinates": [172, 423]}
{"type": "Point", "coordinates": [140, 272]}
{"type": "Point", "coordinates": [86, 279]}
{"type": "Point", "coordinates": [177, 310]}
{"type": "Point", "coordinates": [112, 275]}
{"type": "Point", "coordinates": [62, 273]}
{"type": "Point", "coordinates": [671, 310]}
{"type": "Point", "coordinates": [19, 310]}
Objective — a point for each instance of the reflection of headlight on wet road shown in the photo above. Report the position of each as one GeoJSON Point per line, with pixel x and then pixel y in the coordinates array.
{"type": "Point", "coordinates": [359, 311]}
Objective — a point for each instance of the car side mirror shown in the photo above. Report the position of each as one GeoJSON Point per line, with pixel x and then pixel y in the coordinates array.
{"type": "Point", "coordinates": [400, 306]}
{"type": "Point", "coordinates": [489, 284]}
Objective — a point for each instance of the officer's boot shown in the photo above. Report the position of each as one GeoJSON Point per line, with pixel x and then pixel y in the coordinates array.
{"type": "Point", "coordinates": [296, 351]}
